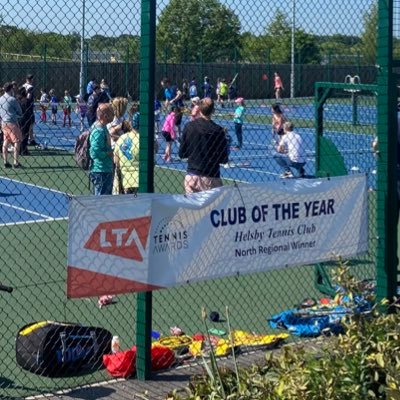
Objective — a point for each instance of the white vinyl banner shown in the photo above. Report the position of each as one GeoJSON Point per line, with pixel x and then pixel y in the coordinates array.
{"type": "Point", "coordinates": [119, 244]}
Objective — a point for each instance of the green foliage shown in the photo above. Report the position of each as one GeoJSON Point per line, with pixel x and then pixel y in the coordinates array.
{"type": "Point", "coordinates": [207, 31]}
{"type": "Point", "coordinates": [369, 36]}
{"type": "Point", "coordinates": [278, 39]}
{"type": "Point", "coordinates": [307, 50]}
{"type": "Point", "coordinates": [340, 49]}
{"type": "Point", "coordinates": [59, 46]}
{"type": "Point", "coordinates": [255, 48]}
{"type": "Point", "coordinates": [189, 31]}
{"type": "Point", "coordinates": [362, 364]}
{"type": "Point", "coordinates": [14, 40]}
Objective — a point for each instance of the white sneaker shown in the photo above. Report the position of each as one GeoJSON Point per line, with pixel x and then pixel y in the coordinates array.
{"type": "Point", "coordinates": [286, 175]}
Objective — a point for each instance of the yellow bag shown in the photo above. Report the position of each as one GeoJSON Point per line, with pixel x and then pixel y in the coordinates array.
{"type": "Point", "coordinates": [243, 338]}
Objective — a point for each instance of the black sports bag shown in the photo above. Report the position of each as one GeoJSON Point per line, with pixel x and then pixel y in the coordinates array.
{"type": "Point", "coordinates": [54, 349]}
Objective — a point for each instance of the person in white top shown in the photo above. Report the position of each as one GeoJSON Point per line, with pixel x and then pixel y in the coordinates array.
{"type": "Point", "coordinates": [291, 153]}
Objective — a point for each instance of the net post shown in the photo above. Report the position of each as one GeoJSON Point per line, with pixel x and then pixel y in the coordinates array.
{"type": "Point", "coordinates": [146, 171]}
{"type": "Point", "coordinates": [354, 107]}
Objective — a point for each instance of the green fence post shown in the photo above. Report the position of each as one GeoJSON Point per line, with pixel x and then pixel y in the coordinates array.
{"type": "Point", "coordinates": [165, 62]}
{"type": "Point", "coordinates": [386, 266]}
{"type": "Point", "coordinates": [267, 81]}
{"type": "Point", "coordinates": [146, 170]}
{"type": "Point", "coordinates": [358, 63]}
{"type": "Point", "coordinates": [127, 71]}
{"type": "Point", "coordinates": [329, 67]}
{"type": "Point", "coordinates": [44, 58]}
{"type": "Point", "coordinates": [201, 67]}
{"type": "Point", "coordinates": [86, 66]}
{"type": "Point", "coordinates": [236, 67]}
{"type": "Point", "coordinates": [297, 88]}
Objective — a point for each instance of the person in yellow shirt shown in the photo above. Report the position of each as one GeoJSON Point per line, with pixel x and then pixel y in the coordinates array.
{"type": "Point", "coordinates": [126, 159]}
{"type": "Point", "coordinates": [223, 91]}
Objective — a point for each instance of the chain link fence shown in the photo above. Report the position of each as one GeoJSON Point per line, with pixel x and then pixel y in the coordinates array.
{"type": "Point", "coordinates": [54, 55]}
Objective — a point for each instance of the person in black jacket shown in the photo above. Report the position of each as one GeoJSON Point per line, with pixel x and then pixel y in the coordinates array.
{"type": "Point", "coordinates": [205, 146]}
{"type": "Point", "coordinates": [27, 119]}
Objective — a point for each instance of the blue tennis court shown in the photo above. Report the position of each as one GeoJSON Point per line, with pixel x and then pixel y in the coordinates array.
{"type": "Point", "coordinates": [255, 163]}
{"type": "Point", "coordinates": [21, 202]}
{"type": "Point", "coordinates": [333, 112]}
{"type": "Point", "coordinates": [256, 156]}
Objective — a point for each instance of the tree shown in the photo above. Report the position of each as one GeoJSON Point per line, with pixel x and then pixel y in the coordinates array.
{"type": "Point", "coordinates": [15, 40]}
{"type": "Point", "coordinates": [307, 50]}
{"type": "Point", "coordinates": [130, 44]}
{"type": "Point", "coordinates": [278, 38]}
{"type": "Point", "coordinates": [197, 29]}
{"type": "Point", "coordinates": [57, 45]}
{"type": "Point", "coordinates": [254, 48]}
{"type": "Point", "coordinates": [101, 42]}
{"type": "Point", "coordinates": [369, 35]}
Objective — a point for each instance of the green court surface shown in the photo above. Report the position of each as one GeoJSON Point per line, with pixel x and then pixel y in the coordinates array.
{"type": "Point", "coordinates": [34, 258]}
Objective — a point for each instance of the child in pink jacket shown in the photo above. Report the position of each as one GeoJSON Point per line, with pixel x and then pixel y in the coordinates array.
{"type": "Point", "coordinates": [169, 132]}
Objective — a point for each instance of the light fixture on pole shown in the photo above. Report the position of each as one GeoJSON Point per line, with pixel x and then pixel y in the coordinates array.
{"type": "Point", "coordinates": [82, 72]}
{"type": "Point", "coordinates": [292, 60]}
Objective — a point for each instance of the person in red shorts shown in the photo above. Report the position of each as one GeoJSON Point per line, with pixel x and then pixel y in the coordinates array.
{"type": "Point", "coordinates": [10, 113]}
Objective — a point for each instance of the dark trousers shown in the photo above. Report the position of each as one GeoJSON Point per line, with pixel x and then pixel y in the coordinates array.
{"type": "Point", "coordinates": [239, 134]}
{"type": "Point", "coordinates": [102, 182]}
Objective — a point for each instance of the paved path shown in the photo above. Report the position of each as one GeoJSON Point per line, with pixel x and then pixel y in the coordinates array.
{"type": "Point", "coordinates": [158, 387]}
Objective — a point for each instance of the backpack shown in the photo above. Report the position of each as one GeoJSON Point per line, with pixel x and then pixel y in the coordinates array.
{"type": "Point", "coordinates": [53, 349]}
{"type": "Point", "coordinates": [81, 150]}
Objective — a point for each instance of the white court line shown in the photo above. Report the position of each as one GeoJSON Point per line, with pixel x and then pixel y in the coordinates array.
{"type": "Point", "coordinates": [25, 210]}
{"type": "Point", "coordinates": [58, 138]}
{"type": "Point", "coordinates": [65, 149]}
{"type": "Point", "coordinates": [259, 171]}
{"type": "Point", "coordinates": [184, 171]}
{"type": "Point", "coordinates": [34, 221]}
{"type": "Point", "coordinates": [31, 184]}
{"type": "Point", "coordinates": [232, 179]}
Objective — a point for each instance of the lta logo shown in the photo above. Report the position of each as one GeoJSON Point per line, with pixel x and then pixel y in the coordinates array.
{"type": "Point", "coordinates": [126, 238]}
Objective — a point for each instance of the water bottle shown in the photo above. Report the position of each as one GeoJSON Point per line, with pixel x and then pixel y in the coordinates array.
{"type": "Point", "coordinates": [45, 145]}
{"type": "Point", "coordinates": [115, 344]}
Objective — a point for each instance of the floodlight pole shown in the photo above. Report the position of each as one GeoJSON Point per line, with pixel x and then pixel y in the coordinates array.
{"type": "Point", "coordinates": [81, 72]}
{"type": "Point", "coordinates": [292, 77]}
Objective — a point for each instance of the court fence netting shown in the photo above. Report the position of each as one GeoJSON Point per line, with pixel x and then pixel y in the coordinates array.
{"type": "Point", "coordinates": [329, 71]}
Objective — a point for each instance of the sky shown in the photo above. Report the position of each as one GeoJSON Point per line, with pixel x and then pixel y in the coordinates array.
{"type": "Point", "coordinates": [115, 17]}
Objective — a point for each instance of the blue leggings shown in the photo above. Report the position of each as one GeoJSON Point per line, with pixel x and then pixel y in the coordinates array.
{"type": "Point", "coordinates": [239, 134]}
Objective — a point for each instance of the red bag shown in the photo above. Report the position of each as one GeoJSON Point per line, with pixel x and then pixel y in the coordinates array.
{"type": "Point", "coordinates": [161, 357]}
{"type": "Point", "coordinates": [121, 364]}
